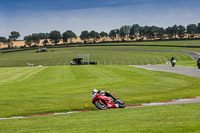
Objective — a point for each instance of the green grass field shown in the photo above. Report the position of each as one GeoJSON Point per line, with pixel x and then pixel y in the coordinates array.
{"type": "Point", "coordinates": [156, 119]}
{"type": "Point", "coordinates": [35, 90]}
{"type": "Point", "coordinates": [162, 43]}
{"type": "Point", "coordinates": [108, 55]}
{"type": "Point", "coordinates": [187, 63]}
{"type": "Point", "coordinates": [172, 43]}
{"type": "Point", "coordinates": [59, 87]}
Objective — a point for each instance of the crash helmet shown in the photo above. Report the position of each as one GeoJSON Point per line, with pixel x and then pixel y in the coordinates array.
{"type": "Point", "coordinates": [94, 91]}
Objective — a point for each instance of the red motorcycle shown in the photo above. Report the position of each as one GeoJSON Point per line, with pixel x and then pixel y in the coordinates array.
{"type": "Point", "coordinates": [106, 101]}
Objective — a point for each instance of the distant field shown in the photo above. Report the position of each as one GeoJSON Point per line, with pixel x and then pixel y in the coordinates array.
{"type": "Point", "coordinates": [160, 119]}
{"type": "Point", "coordinates": [171, 43]}
{"type": "Point", "coordinates": [108, 55]}
{"type": "Point", "coordinates": [35, 90]}
{"type": "Point", "coordinates": [168, 44]}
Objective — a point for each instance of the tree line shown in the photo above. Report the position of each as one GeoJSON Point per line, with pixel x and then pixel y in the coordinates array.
{"type": "Point", "coordinates": [9, 42]}
{"type": "Point", "coordinates": [124, 33]}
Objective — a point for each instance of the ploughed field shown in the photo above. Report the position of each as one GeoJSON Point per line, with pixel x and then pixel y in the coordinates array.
{"type": "Point", "coordinates": [36, 90]}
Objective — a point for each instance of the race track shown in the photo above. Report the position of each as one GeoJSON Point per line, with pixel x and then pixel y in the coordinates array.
{"type": "Point", "coordinates": [189, 71]}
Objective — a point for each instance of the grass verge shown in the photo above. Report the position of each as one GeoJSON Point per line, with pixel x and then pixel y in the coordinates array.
{"type": "Point", "coordinates": [183, 118]}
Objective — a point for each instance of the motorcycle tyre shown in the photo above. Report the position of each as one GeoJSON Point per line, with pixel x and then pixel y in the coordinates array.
{"type": "Point", "coordinates": [121, 103]}
{"type": "Point", "coordinates": [100, 105]}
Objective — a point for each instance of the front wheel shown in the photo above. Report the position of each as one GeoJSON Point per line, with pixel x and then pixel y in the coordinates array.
{"type": "Point", "coordinates": [121, 103]}
{"type": "Point", "coordinates": [100, 104]}
{"type": "Point", "coordinates": [173, 64]}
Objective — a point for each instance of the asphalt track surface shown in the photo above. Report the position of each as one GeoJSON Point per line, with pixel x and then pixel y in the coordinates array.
{"type": "Point", "coordinates": [194, 55]}
{"type": "Point", "coordinates": [189, 71]}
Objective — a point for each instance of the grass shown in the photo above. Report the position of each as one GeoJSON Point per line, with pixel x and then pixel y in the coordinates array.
{"type": "Point", "coordinates": [161, 43]}
{"type": "Point", "coordinates": [183, 118]}
{"type": "Point", "coordinates": [58, 88]}
{"type": "Point", "coordinates": [108, 55]}
{"type": "Point", "coordinates": [35, 90]}
{"type": "Point", "coordinates": [192, 63]}
{"type": "Point", "coordinates": [172, 43]}
{"type": "Point", "coordinates": [194, 49]}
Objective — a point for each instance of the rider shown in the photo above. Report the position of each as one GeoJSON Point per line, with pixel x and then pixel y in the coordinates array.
{"type": "Point", "coordinates": [173, 61]}
{"type": "Point", "coordinates": [100, 92]}
{"type": "Point", "coordinates": [94, 92]}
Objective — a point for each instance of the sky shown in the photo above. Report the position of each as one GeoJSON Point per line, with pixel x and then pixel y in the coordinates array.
{"type": "Point", "coordinates": [43, 16]}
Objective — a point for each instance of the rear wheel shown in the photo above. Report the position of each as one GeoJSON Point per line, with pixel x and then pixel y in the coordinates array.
{"type": "Point", "coordinates": [173, 64]}
{"type": "Point", "coordinates": [100, 104]}
{"type": "Point", "coordinates": [120, 103]}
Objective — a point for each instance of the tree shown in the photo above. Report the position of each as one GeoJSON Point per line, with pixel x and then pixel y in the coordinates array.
{"type": "Point", "coordinates": [181, 31]}
{"type": "Point", "coordinates": [147, 31]}
{"type": "Point", "coordinates": [14, 35]}
{"type": "Point", "coordinates": [55, 37]}
{"type": "Point", "coordinates": [84, 36]}
{"type": "Point", "coordinates": [32, 39]}
{"type": "Point", "coordinates": [28, 40]}
{"type": "Point", "coordinates": [43, 35]}
{"type": "Point", "coordinates": [45, 42]}
{"type": "Point", "coordinates": [134, 30]}
{"type": "Point", "coordinates": [94, 35]}
{"type": "Point", "coordinates": [124, 31]}
{"type": "Point", "coordinates": [161, 32]}
{"type": "Point", "coordinates": [191, 29]}
{"type": "Point", "coordinates": [103, 35]}
{"type": "Point", "coordinates": [3, 40]}
{"type": "Point", "coordinates": [150, 31]}
{"type": "Point", "coordinates": [113, 34]}
{"type": "Point", "coordinates": [68, 35]}
{"type": "Point", "coordinates": [142, 32]}
{"type": "Point", "coordinates": [35, 39]}
{"type": "Point", "coordinates": [175, 30]}
{"type": "Point", "coordinates": [9, 43]}
{"type": "Point", "coordinates": [169, 32]}
{"type": "Point", "coordinates": [154, 30]}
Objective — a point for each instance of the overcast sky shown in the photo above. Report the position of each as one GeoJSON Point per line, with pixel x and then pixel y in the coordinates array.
{"type": "Point", "coordinates": [35, 16]}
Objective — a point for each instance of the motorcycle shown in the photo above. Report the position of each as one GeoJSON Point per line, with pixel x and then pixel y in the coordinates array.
{"type": "Point", "coordinates": [103, 102]}
{"type": "Point", "coordinates": [173, 63]}
{"type": "Point", "coordinates": [198, 63]}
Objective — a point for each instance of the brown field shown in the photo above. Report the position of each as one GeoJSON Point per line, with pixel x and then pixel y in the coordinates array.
{"type": "Point", "coordinates": [78, 40]}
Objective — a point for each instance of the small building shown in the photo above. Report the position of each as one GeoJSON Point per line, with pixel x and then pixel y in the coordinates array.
{"type": "Point", "coordinates": [77, 61]}
{"type": "Point", "coordinates": [82, 59]}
